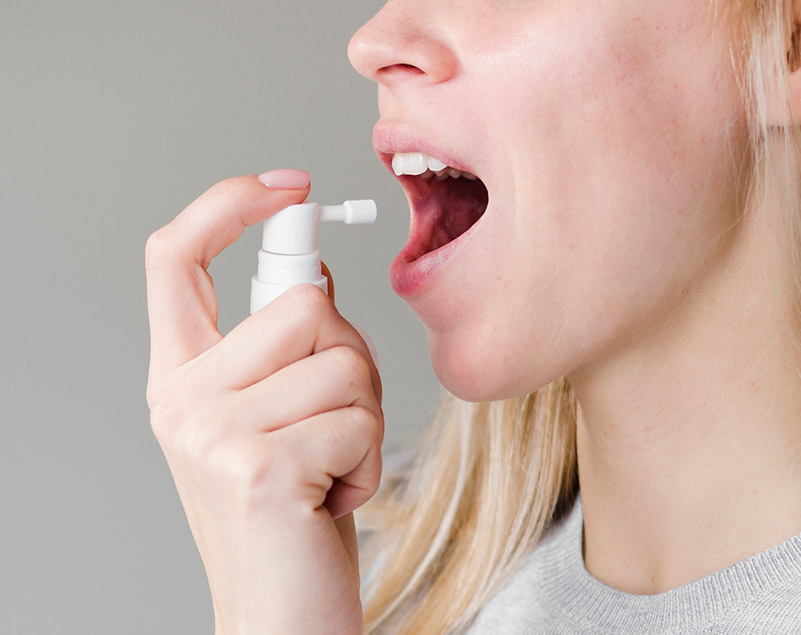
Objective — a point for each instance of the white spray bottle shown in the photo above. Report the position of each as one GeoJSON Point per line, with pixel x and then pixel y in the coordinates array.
{"type": "Point", "coordinates": [289, 253]}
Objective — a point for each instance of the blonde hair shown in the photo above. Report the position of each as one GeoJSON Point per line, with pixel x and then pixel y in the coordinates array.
{"type": "Point", "coordinates": [490, 478]}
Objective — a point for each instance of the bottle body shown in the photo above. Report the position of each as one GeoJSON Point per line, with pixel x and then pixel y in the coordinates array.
{"type": "Point", "coordinates": [279, 272]}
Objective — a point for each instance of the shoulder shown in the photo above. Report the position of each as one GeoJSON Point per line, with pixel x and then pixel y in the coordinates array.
{"type": "Point", "coordinates": [777, 610]}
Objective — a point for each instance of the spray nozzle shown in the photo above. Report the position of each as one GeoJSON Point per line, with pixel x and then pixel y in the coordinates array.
{"type": "Point", "coordinates": [294, 230]}
{"type": "Point", "coordinates": [350, 212]}
{"type": "Point", "coordinates": [289, 253]}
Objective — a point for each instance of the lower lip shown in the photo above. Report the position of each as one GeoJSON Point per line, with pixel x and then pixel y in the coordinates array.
{"type": "Point", "coordinates": [412, 278]}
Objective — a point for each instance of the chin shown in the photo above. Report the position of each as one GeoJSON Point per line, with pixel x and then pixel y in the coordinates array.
{"type": "Point", "coordinates": [476, 375]}
{"type": "Point", "coordinates": [477, 370]}
{"type": "Point", "coordinates": [466, 389]}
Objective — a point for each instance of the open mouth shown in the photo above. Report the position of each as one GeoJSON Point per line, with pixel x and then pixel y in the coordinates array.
{"type": "Point", "coordinates": [445, 201]}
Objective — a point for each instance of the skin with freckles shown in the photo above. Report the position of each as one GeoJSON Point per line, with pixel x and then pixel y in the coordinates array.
{"type": "Point", "coordinates": [608, 140]}
{"type": "Point", "coordinates": [612, 139]}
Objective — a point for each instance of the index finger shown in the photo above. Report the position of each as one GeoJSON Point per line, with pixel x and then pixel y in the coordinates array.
{"type": "Point", "coordinates": [182, 307]}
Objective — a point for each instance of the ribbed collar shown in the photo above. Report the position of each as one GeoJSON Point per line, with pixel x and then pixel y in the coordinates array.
{"type": "Point", "coordinates": [592, 605]}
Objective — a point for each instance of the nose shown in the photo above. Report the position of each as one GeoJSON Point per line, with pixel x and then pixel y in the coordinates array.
{"type": "Point", "coordinates": [400, 42]}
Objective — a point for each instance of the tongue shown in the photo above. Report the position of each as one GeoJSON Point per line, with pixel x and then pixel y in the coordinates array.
{"type": "Point", "coordinates": [460, 203]}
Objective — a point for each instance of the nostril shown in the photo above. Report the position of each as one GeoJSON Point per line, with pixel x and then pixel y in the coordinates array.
{"type": "Point", "coordinates": [410, 69]}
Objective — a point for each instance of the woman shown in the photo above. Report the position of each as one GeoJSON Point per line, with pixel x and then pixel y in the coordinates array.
{"type": "Point", "coordinates": [611, 274]}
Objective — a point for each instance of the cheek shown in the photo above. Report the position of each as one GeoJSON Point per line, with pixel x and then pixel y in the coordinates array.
{"type": "Point", "coordinates": [633, 116]}
{"type": "Point", "coordinates": [621, 183]}
{"type": "Point", "coordinates": [625, 166]}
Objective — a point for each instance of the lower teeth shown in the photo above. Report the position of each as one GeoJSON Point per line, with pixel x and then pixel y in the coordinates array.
{"type": "Point", "coordinates": [447, 173]}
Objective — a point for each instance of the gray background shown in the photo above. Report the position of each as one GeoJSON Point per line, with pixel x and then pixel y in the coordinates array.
{"type": "Point", "coordinates": [114, 116]}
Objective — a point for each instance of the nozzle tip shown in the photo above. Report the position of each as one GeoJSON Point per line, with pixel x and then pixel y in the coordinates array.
{"type": "Point", "coordinates": [358, 212]}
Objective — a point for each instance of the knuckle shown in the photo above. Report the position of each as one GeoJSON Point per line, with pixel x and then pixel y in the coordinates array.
{"type": "Point", "coordinates": [365, 424]}
{"type": "Point", "coordinates": [373, 476]}
{"type": "Point", "coordinates": [232, 193]}
{"type": "Point", "coordinates": [174, 402]}
{"type": "Point", "coordinates": [361, 419]}
{"type": "Point", "coordinates": [199, 450]}
{"type": "Point", "coordinates": [158, 249]}
{"type": "Point", "coordinates": [168, 412]}
{"type": "Point", "coordinates": [230, 189]}
{"type": "Point", "coordinates": [204, 443]}
{"type": "Point", "coordinates": [275, 471]}
{"type": "Point", "coordinates": [212, 459]}
{"type": "Point", "coordinates": [231, 464]}
{"type": "Point", "coordinates": [257, 471]}
{"type": "Point", "coordinates": [269, 476]}
{"type": "Point", "coordinates": [353, 362]}
{"type": "Point", "coordinates": [370, 467]}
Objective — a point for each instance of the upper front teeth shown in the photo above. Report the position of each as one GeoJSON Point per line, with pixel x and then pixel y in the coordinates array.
{"type": "Point", "coordinates": [419, 164]}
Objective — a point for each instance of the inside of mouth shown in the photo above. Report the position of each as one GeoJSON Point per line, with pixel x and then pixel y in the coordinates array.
{"type": "Point", "coordinates": [453, 207]}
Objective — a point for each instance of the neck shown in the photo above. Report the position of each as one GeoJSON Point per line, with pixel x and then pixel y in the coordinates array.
{"type": "Point", "coordinates": [689, 441]}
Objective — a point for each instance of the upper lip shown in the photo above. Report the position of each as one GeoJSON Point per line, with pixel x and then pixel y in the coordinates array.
{"type": "Point", "coordinates": [391, 139]}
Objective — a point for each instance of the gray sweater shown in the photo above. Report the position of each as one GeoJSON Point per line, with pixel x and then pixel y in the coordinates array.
{"type": "Point", "coordinates": [554, 593]}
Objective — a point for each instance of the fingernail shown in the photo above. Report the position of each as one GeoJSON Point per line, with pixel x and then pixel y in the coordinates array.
{"type": "Point", "coordinates": [285, 179]}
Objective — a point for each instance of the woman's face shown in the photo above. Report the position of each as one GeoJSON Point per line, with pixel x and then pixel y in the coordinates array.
{"type": "Point", "coordinates": [609, 136]}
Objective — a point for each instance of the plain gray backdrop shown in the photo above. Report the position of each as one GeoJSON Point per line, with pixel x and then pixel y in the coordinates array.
{"type": "Point", "coordinates": [115, 116]}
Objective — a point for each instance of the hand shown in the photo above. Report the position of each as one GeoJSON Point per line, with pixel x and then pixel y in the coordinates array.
{"type": "Point", "coordinates": [272, 433]}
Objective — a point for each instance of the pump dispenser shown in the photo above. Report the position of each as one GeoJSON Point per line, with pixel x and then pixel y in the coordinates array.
{"type": "Point", "coordinates": [289, 253]}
